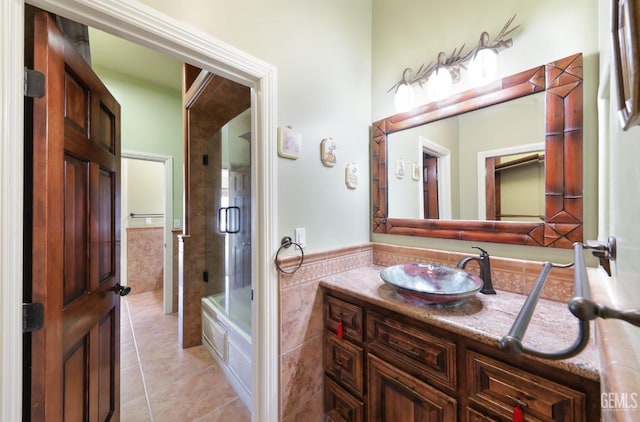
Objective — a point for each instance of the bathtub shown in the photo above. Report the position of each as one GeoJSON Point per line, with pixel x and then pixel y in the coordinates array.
{"type": "Point", "coordinates": [228, 340]}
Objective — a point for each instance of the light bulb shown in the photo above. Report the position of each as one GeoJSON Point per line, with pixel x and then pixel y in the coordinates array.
{"type": "Point", "coordinates": [404, 98]}
{"type": "Point", "coordinates": [483, 67]}
{"type": "Point", "coordinates": [439, 84]}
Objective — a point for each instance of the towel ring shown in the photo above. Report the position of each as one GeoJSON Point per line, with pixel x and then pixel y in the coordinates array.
{"type": "Point", "coordinates": [285, 244]}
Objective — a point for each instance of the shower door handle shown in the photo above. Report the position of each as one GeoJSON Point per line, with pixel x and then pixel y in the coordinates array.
{"type": "Point", "coordinates": [230, 223]}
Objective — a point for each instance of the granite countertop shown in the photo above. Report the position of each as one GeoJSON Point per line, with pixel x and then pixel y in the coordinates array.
{"type": "Point", "coordinates": [485, 318]}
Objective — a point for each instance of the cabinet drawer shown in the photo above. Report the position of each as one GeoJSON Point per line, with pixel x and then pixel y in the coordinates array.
{"type": "Point", "coordinates": [345, 362]}
{"type": "Point", "coordinates": [499, 387]}
{"type": "Point", "coordinates": [337, 312]}
{"type": "Point", "coordinates": [475, 416]}
{"type": "Point", "coordinates": [396, 396]}
{"type": "Point", "coordinates": [340, 406]}
{"type": "Point", "coordinates": [413, 350]}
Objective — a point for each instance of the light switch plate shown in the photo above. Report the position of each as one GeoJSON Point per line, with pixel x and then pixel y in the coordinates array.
{"type": "Point", "coordinates": [301, 237]}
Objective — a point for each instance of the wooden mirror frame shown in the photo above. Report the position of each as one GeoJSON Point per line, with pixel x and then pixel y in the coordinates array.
{"type": "Point", "coordinates": [626, 63]}
{"type": "Point", "coordinates": [562, 83]}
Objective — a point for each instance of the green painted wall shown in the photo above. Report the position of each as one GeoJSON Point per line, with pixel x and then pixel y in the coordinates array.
{"type": "Point", "coordinates": [322, 51]}
{"type": "Point", "coordinates": [408, 33]}
{"type": "Point", "coordinates": [151, 122]}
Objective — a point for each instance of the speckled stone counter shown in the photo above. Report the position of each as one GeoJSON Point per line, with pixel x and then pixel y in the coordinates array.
{"type": "Point", "coordinates": [484, 318]}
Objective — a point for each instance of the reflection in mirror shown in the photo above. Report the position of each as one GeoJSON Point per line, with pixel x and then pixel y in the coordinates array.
{"type": "Point", "coordinates": [512, 186]}
{"type": "Point", "coordinates": [450, 202]}
{"type": "Point", "coordinates": [449, 150]}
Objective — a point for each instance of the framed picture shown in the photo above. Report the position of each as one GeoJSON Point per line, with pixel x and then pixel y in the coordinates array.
{"type": "Point", "coordinates": [289, 143]}
{"type": "Point", "coordinates": [626, 59]}
{"type": "Point", "coordinates": [328, 152]}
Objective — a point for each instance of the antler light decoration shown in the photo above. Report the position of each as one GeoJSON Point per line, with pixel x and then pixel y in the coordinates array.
{"type": "Point", "coordinates": [439, 76]}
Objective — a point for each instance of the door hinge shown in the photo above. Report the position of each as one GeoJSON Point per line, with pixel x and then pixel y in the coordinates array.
{"type": "Point", "coordinates": [33, 83]}
{"type": "Point", "coordinates": [205, 159]}
{"type": "Point", "coordinates": [32, 317]}
{"type": "Point", "coordinates": [205, 276]}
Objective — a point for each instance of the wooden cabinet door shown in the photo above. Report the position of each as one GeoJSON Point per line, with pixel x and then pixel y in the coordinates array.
{"type": "Point", "coordinates": [397, 396]}
{"type": "Point", "coordinates": [74, 158]}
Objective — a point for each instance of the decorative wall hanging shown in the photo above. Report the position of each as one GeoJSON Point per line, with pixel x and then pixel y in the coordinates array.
{"type": "Point", "coordinates": [328, 152]}
{"type": "Point", "coordinates": [415, 171]}
{"type": "Point", "coordinates": [352, 175]}
{"type": "Point", "coordinates": [400, 168]}
{"type": "Point", "coordinates": [289, 143]}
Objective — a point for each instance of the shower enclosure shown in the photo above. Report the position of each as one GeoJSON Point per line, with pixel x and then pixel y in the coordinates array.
{"type": "Point", "coordinates": [226, 309]}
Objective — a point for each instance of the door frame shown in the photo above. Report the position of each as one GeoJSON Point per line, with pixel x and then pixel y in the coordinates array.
{"type": "Point", "coordinates": [481, 166]}
{"type": "Point", "coordinates": [444, 176]}
{"type": "Point", "coordinates": [141, 24]}
{"type": "Point", "coordinates": [167, 235]}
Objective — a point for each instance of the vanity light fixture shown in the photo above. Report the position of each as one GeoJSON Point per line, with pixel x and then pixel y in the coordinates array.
{"type": "Point", "coordinates": [483, 66]}
{"type": "Point", "coordinates": [440, 81]}
{"type": "Point", "coordinates": [405, 97]}
{"type": "Point", "coordinates": [440, 77]}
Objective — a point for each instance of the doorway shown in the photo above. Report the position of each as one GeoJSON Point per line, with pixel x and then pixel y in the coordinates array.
{"type": "Point", "coordinates": [141, 24]}
{"type": "Point", "coordinates": [148, 180]}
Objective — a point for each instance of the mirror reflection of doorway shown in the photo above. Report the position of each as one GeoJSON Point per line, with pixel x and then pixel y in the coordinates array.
{"type": "Point", "coordinates": [515, 187]}
{"type": "Point", "coordinates": [430, 185]}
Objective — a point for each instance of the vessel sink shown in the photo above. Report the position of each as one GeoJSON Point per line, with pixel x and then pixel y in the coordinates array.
{"type": "Point", "coordinates": [431, 284]}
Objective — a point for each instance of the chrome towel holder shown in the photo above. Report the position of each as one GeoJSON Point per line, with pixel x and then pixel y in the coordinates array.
{"type": "Point", "coordinates": [285, 243]}
{"type": "Point", "coordinates": [581, 305]}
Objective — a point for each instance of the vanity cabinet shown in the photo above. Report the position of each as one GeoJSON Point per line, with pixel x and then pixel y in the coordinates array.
{"type": "Point", "coordinates": [383, 366]}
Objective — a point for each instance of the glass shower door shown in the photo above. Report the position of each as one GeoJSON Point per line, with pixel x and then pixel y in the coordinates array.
{"type": "Point", "coordinates": [238, 250]}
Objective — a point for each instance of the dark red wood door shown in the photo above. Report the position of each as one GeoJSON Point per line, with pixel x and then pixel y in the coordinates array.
{"type": "Point", "coordinates": [430, 186]}
{"type": "Point", "coordinates": [74, 161]}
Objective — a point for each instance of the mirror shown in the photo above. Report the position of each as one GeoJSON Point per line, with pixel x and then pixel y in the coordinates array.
{"type": "Point", "coordinates": [551, 148]}
{"type": "Point", "coordinates": [460, 153]}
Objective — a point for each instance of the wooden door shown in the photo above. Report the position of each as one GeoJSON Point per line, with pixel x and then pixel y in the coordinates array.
{"type": "Point", "coordinates": [240, 242]}
{"type": "Point", "coordinates": [430, 186]}
{"type": "Point", "coordinates": [73, 155]}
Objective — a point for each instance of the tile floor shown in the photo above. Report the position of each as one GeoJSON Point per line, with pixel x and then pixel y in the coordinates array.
{"type": "Point", "coordinates": [160, 381]}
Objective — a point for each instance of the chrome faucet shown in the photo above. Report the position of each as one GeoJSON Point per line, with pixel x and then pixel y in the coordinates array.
{"type": "Point", "coordinates": [485, 270]}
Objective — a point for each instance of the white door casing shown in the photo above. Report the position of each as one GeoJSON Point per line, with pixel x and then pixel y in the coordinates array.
{"type": "Point", "coordinates": [141, 24]}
